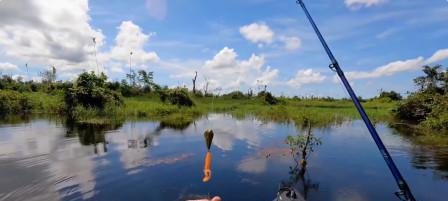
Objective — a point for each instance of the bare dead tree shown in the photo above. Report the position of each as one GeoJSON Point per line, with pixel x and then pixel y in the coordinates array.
{"type": "Point", "coordinates": [49, 76]}
{"type": "Point", "coordinates": [194, 81]}
{"type": "Point", "coordinates": [206, 85]}
{"type": "Point", "coordinates": [96, 58]}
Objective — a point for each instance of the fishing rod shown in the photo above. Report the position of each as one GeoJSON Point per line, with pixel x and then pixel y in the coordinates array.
{"type": "Point", "coordinates": [405, 192]}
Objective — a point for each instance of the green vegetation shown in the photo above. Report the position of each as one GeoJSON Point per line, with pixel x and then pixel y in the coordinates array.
{"type": "Point", "coordinates": [92, 99]}
{"type": "Point", "coordinates": [391, 95]}
{"type": "Point", "coordinates": [428, 107]}
{"type": "Point", "coordinates": [90, 91]}
{"type": "Point", "coordinates": [178, 96]}
{"type": "Point", "coordinates": [13, 102]}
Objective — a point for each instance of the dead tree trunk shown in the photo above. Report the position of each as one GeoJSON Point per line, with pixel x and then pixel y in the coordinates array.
{"type": "Point", "coordinates": [194, 81]}
{"type": "Point", "coordinates": [206, 85]}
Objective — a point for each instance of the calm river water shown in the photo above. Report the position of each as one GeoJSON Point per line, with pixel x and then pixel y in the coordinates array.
{"type": "Point", "coordinates": [48, 159]}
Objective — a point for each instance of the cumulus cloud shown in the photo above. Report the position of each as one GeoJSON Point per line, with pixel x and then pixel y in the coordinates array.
{"type": "Point", "coordinates": [226, 58]}
{"type": "Point", "coordinates": [257, 33]}
{"type": "Point", "coordinates": [130, 38]}
{"type": "Point", "coordinates": [438, 56]}
{"type": "Point", "coordinates": [291, 43]}
{"type": "Point", "coordinates": [261, 34]}
{"type": "Point", "coordinates": [267, 77]}
{"type": "Point", "coordinates": [225, 71]}
{"type": "Point", "coordinates": [58, 33]}
{"type": "Point", "coordinates": [53, 32]}
{"type": "Point", "coordinates": [356, 4]}
{"type": "Point", "coordinates": [156, 8]}
{"type": "Point", "coordinates": [8, 67]}
{"type": "Point", "coordinates": [307, 76]}
{"type": "Point", "coordinates": [389, 69]}
{"type": "Point", "coordinates": [398, 66]}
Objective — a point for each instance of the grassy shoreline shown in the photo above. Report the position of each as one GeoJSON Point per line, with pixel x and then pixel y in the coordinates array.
{"type": "Point", "coordinates": [150, 107]}
{"type": "Point", "coordinates": [321, 113]}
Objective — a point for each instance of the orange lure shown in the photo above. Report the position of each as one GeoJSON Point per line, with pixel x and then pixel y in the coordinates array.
{"type": "Point", "coordinates": [208, 136]}
{"type": "Point", "coordinates": [207, 163]}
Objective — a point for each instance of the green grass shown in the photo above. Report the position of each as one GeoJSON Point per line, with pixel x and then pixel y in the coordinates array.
{"type": "Point", "coordinates": [46, 103]}
{"type": "Point", "coordinates": [321, 113]}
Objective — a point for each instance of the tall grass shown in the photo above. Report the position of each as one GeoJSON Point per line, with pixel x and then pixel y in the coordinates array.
{"type": "Point", "coordinates": [150, 107]}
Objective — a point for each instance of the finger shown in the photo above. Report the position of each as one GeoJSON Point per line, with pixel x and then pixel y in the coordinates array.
{"type": "Point", "coordinates": [201, 200]}
{"type": "Point", "coordinates": [216, 198]}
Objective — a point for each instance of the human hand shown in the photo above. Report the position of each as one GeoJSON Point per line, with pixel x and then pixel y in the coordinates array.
{"type": "Point", "coordinates": [216, 198]}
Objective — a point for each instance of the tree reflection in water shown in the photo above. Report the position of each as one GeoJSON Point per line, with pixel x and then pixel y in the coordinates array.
{"type": "Point", "coordinates": [95, 134]}
{"type": "Point", "coordinates": [300, 147]}
{"type": "Point", "coordinates": [429, 150]}
{"type": "Point", "coordinates": [91, 134]}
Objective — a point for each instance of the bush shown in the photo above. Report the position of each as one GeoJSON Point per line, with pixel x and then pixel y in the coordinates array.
{"type": "Point", "coordinates": [268, 98]}
{"type": "Point", "coordinates": [392, 95]}
{"type": "Point", "coordinates": [129, 91]}
{"type": "Point", "coordinates": [437, 119]}
{"type": "Point", "coordinates": [416, 108]}
{"type": "Point", "coordinates": [198, 94]}
{"type": "Point", "coordinates": [90, 90]}
{"type": "Point", "coordinates": [236, 95]}
{"type": "Point", "coordinates": [429, 105]}
{"type": "Point", "coordinates": [178, 96]}
{"type": "Point", "coordinates": [13, 102]}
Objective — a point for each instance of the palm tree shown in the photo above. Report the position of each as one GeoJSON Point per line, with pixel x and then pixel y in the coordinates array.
{"type": "Point", "coordinates": [431, 78]}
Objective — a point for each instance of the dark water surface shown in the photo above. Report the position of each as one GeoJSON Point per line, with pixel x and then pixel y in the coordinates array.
{"type": "Point", "coordinates": [44, 159]}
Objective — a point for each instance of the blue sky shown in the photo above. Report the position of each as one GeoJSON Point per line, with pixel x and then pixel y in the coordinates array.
{"type": "Point", "coordinates": [233, 44]}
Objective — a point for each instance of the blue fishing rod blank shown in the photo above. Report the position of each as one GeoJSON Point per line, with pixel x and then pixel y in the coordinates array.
{"type": "Point", "coordinates": [405, 192]}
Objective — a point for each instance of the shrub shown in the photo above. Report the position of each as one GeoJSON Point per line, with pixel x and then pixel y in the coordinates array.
{"type": "Point", "coordinates": [13, 102]}
{"type": "Point", "coordinates": [268, 98]}
{"type": "Point", "coordinates": [437, 119]}
{"type": "Point", "coordinates": [236, 95]}
{"type": "Point", "coordinates": [198, 94]}
{"type": "Point", "coordinates": [129, 91]}
{"type": "Point", "coordinates": [177, 96]}
{"type": "Point", "coordinates": [392, 95]}
{"type": "Point", "coordinates": [90, 90]}
{"type": "Point", "coordinates": [34, 87]}
{"type": "Point", "coordinates": [417, 107]}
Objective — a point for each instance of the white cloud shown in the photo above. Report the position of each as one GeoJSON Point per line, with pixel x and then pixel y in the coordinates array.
{"type": "Point", "coordinates": [226, 58]}
{"type": "Point", "coordinates": [8, 67]}
{"type": "Point", "coordinates": [291, 43]}
{"type": "Point", "coordinates": [262, 34]}
{"type": "Point", "coordinates": [438, 56]}
{"type": "Point", "coordinates": [307, 76]}
{"type": "Point", "coordinates": [356, 4]}
{"type": "Point", "coordinates": [156, 8]}
{"type": "Point", "coordinates": [52, 32]}
{"type": "Point", "coordinates": [253, 165]}
{"type": "Point", "coordinates": [257, 33]}
{"type": "Point", "coordinates": [58, 32]}
{"type": "Point", "coordinates": [227, 72]}
{"type": "Point", "coordinates": [130, 38]}
{"type": "Point", "coordinates": [398, 66]}
{"type": "Point", "coordinates": [388, 69]}
{"type": "Point", "coordinates": [267, 77]}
